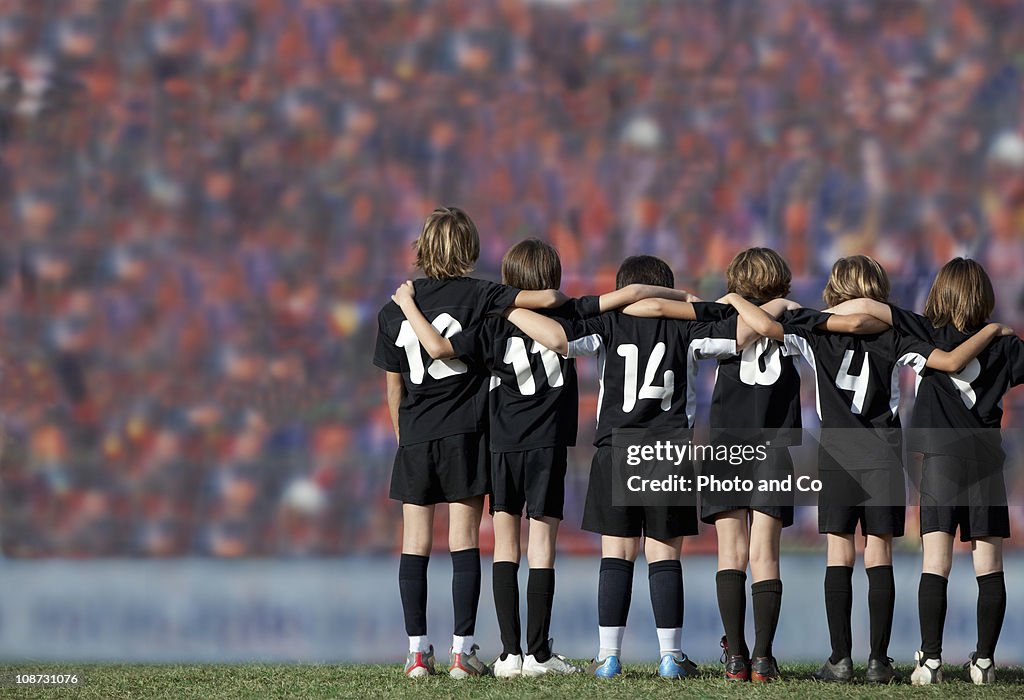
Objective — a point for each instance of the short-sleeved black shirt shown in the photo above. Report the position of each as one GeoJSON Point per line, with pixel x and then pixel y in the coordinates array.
{"type": "Point", "coordinates": [951, 408]}
{"type": "Point", "coordinates": [638, 359]}
{"type": "Point", "coordinates": [534, 397]}
{"type": "Point", "coordinates": [757, 393]}
{"type": "Point", "coordinates": [442, 397]}
{"type": "Point", "coordinates": [858, 394]}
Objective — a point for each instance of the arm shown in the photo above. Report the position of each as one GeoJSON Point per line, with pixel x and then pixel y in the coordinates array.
{"type": "Point", "coordinates": [864, 306]}
{"type": "Point", "coordinates": [394, 392]}
{"type": "Point", "coordinates": [633, 293]}
{"type": "Point", "coordinates": [660, 308]}
{"type": "Point", "coordinates": [754, 317]}
{"type": "Point", "coordinates": [857, 323]}
{"type": "Point", "coordinates": [544, 330]}
{"type": "Point", "coordinates": [776, 307]}
{"type": "Point", "coordinates": [745, 335]}
{"type": "Point", "coordinates": [436, 345]}
{"type": "Point", "coordinates": [540, 299]}
{"type": "Point", "coordinates": [957, 359]}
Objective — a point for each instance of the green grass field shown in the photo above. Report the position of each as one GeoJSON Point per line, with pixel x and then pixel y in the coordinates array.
{"type": "Point", "coordinates": [293, 681]}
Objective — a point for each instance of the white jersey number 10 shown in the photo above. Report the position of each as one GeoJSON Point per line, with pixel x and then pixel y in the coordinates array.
{"type": "Point", "coordinates": [447, 326]}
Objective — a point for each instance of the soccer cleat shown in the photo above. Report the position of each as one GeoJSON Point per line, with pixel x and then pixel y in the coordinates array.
{"type": "Point", "coordinates": [509, 667]}
{"type": "Point", "coordinates": [420, 663]}
{"type": "Point", "coordinates": [737, 667]}
{"type": "Point", "coordinates": [839, 672]}
{"type": "Point", "coordinates": [881, 671]}
{"type": "Point", "coordinates": [556, 664]}
{"type": "Point", "coordinates": [466, 665]}
{"type": "Point", "coordinates": [983, 671]}
{"type": "Point", "coordinates": [608, 667]}
{"type": "Point", "coordinates": [764, 669]}
{"type": "Point", "coordinates": [673, 666]}
{"type": "Point", "coordinates": [926, 671]}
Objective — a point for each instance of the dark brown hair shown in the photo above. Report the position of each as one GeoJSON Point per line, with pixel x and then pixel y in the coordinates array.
{"type": "Point", "coordinates": [532, 264]}
{"type": "Point", "coordinates": [644, 269]}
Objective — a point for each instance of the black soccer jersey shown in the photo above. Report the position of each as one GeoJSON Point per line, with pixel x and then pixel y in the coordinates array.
{"type": "Point", "coordinates": [757, 393]}
{"type": "Point", "coordinates": [534, 397]}
{"type": "Point", "coordinates": [858, 394]}
{"type": "Point", "coordinates": [647, 367]}
{"type": "Point", "coordinates": [442, 397]}
{"type": "Point", "coordinates": [963, 402]}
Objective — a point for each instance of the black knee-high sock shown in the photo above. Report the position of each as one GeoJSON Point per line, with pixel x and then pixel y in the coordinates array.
{"type": "Point", "coordinates": [931, 611]}
{"type": "Point", "coordinates": [505, 582]}
{"type": "Point", "coordinates": [465, 589]}
{"type": "Point", "coordinates": [666, 581]}
{"type": "Point", "coordinates": [732, 604]}
{"type": "Point", "coordinates": [540, 594]}
{"type": "Point", "coordinates": [412, 586]}
{"type": "Point", "coordinates": [881, 604]}
{"type": "Point", "coordinates": [767, 600]}
{"type": "Point", "coordinates": [838, 608]}
{"type": "Point", "coordinates": [991, 609]}
{"type": "Point", "coordinates": [614, 592]}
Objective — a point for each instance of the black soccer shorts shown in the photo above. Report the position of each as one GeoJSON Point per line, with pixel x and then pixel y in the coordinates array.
{"type": "Point", "coordinates": [534, 479]}
{"type": "Point", "coordinates": [873, 498]}
{"type": "Point", "coordinates": [965, 494]}
{"type": "Point", "coordinates": [779, 505]}
{"type": "Point", "coordinates": [445, 470]}
{"type": "Point", "coordinates": [600, 516]}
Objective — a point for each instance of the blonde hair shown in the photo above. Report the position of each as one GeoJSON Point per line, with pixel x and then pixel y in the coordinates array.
{"type": "Point", "coordinates": [961, 296]}
{"type": "Point", "coordinates": [532, 264]}
{"type": "Point", "coordinates": [855, 277]}
{"type": "Point", "coordinates": [758, 274]}
{"type": "Point", "coordinates": [449, 244]}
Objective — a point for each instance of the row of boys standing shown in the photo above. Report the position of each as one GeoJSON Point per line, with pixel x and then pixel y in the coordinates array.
{"type": "Point", "coordinates": [487, 405]}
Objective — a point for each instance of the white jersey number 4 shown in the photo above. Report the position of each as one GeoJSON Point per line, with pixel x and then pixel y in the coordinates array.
{"type": "Point", "coordinates": [447, 326]}
{"type": "Point", "coordinates": [515, 355]}
{"type": "Point", "coordinates": [857, 383]}
{"type": "Point", "coordinates": [631, 354]}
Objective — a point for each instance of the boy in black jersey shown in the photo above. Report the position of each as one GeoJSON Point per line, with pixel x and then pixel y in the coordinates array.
{"type": "Point", "coordinates": [439, 412]}
{"type": "Point", "coordinates": [756, 401]}
{"type": "Point", "coordinates": [955, 425]}
{"type": "Point", "coordinates": [860, 460]}
{"type": "Point", "coordinates": [641, 388]}
{"type": "Point", "coordinates": [533, 416]}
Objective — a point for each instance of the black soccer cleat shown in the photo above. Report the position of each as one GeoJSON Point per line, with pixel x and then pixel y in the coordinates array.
{"type": "Point", "coordinates": [737, 666]}
{"type": "Point", "coordinates": [839, 672]}
{"type": "Point", "coordinates": [881, 671]}
{"type": "Point", "coordinates": [764, 669]}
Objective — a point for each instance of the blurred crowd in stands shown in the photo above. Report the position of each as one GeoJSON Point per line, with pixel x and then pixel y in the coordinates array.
{"type": "Point", "coordinates": [205, 202]}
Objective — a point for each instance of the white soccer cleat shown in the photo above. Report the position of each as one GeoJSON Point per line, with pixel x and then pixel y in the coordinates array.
{"type": "Point", "coordinates": [983, 671]}
{"type": "Point", "coordinates": [557, 664]}
{"type": "Point", "coordinates": [511, 667]}
{"type": "Point", "coordinates": [926, 671]}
